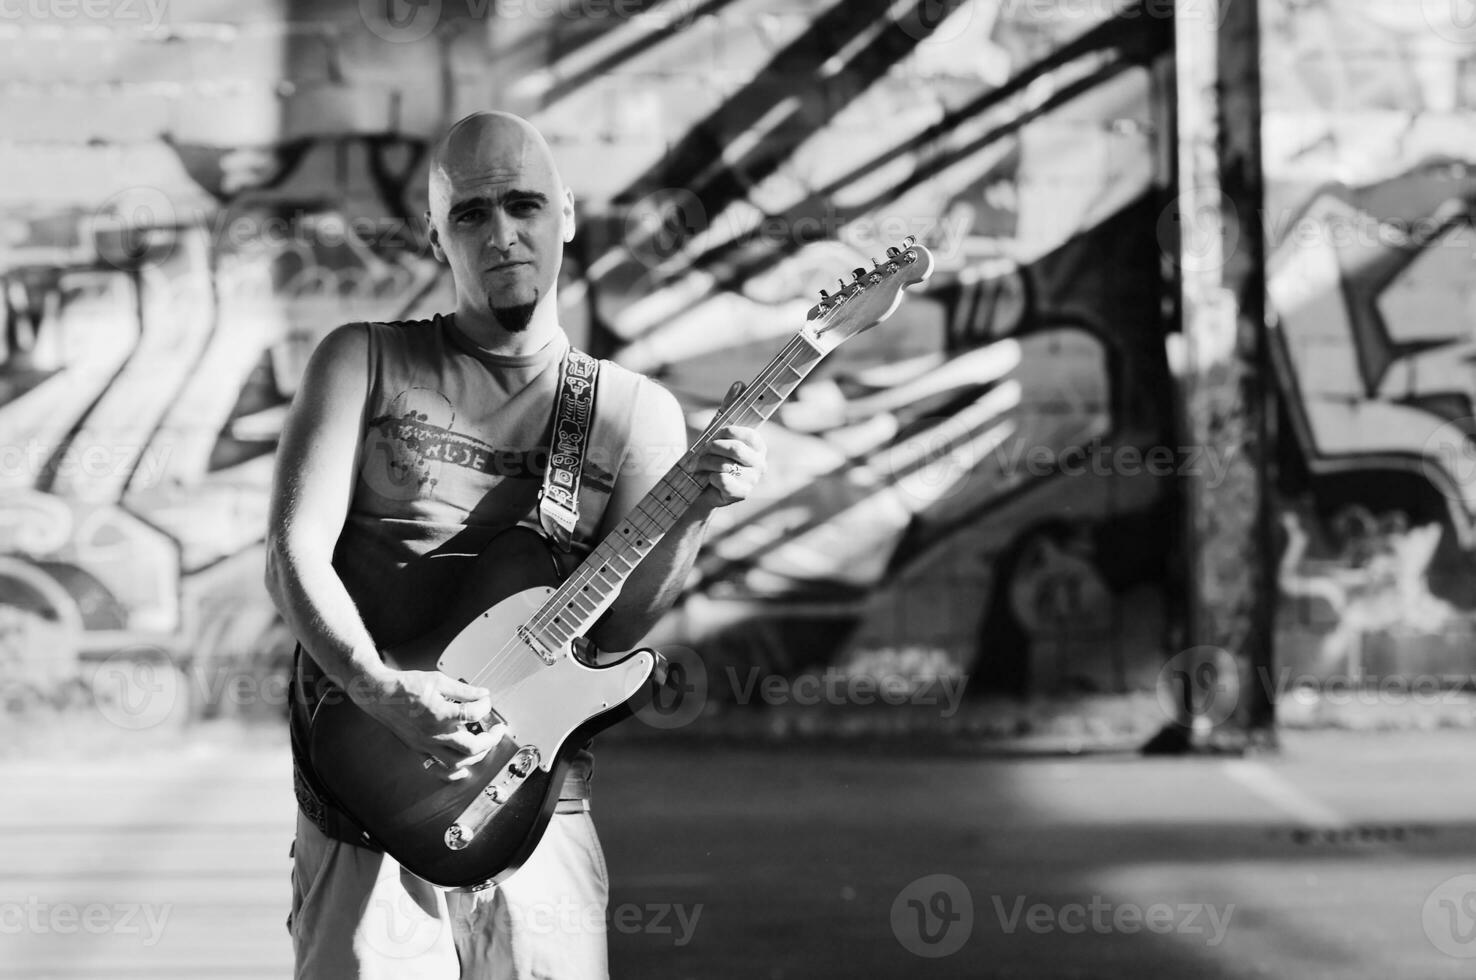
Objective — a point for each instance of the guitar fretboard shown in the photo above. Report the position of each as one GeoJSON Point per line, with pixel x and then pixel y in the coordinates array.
{"type": "Point", "coordinates": [584, 596]}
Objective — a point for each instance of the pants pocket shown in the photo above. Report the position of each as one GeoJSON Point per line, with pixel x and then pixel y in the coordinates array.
{"type": "Point", "coordinates": [312, 854]}
{"type": "Point", "coordinates": [596, 851]}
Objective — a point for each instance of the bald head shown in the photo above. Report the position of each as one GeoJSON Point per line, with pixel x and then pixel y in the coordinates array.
{"type": "Point", "coordinates": [499, 217]}
{"type": "Point", "coordinates": [489, 146]}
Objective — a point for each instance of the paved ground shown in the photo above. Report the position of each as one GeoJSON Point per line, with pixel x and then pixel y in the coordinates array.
{"type": "Point", "coordinates": [1340, 858]}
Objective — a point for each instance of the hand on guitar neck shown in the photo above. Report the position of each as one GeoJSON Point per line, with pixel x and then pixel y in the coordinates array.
{"type": "Point", "coordinates": [733, 460]}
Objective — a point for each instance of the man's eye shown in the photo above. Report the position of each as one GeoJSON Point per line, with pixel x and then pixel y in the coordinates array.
{"type": "Point", "coordinates": [469, 217]}
{"type": "Point", "coordinates": [522, 207]}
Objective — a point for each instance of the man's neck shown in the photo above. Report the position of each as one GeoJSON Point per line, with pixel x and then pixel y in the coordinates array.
{"type": "Point", "coordinates": [482, 329]}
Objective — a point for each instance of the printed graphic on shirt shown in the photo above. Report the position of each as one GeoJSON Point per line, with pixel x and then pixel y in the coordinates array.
{"type": "Point", "coordinates": [407, 448]}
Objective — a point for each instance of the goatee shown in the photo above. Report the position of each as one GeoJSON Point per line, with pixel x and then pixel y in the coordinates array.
{"type": "Point", "coordinates": [514, 319]}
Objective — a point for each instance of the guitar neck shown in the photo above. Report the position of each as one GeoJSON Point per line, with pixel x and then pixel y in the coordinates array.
{"type": "Point", "coordinates": [586, 594]}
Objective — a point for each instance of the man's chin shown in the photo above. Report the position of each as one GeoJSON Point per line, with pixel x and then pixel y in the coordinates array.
{"type": "Point", "coordinates": [514, 318]}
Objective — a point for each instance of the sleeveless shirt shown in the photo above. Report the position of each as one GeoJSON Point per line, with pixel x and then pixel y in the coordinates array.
{"type": "Point", "coordinates": [454, 449]}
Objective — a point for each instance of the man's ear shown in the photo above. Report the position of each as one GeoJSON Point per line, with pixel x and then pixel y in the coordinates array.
{"type": "Point", "coordinates": [568, 215]}
{"type": "Point", "coordinates": [435, 239]}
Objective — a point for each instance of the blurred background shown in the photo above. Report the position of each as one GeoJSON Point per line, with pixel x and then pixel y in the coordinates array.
{"type": "Point", "coordinates": [1174, 450]}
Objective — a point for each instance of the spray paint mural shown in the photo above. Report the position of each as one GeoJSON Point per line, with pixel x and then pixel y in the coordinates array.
{"type": "Point", "coordinates": [980, 486]}
{"type": "Point", "coordinates": [1370, 181]}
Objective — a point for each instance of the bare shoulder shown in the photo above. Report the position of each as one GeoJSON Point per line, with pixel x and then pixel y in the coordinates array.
{"type": "Point", "coordinates": [344, 348]}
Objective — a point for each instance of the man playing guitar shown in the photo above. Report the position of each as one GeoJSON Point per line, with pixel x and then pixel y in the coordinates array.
{"type": "Point", "coordinates": [408, 447]}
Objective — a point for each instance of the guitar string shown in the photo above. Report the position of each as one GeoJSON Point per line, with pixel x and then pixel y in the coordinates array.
{"type": "Point", "coordinates": [649, 526]}
{"type": "Point", "coordinates": [508, 661]}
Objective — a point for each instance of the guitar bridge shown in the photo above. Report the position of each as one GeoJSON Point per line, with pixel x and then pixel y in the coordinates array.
{"type": "Point", "coordinates": [532, 643]}
{"type": "Point", "coordinates": [479, 813]}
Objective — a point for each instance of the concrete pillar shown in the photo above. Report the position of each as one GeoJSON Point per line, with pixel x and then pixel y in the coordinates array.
{"type": "Point", "coordinates": [1220, 360]}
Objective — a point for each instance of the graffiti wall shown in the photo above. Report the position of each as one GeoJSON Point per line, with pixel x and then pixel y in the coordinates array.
{"type": "Point", "coordinates": [979, 486]}
{"type": "Point", "coordinates": [1369, 115]}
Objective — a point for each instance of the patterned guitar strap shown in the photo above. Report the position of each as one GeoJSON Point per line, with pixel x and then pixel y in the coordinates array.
{"type": "Point", "coordinates": [558, 501]}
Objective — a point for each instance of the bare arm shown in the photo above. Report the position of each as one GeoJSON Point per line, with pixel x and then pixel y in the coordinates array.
{"type": "Point", "coordinates": [311, 491]}
{"type": "Point", "coordinates": [661, 439]}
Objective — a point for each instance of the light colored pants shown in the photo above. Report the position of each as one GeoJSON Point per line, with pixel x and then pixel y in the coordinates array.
{"type": "Point", "coordinates": [357, 915]}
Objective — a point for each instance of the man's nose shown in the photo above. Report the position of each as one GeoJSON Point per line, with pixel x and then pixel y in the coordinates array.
{"type": "Point", "coordinates": [502, 233]}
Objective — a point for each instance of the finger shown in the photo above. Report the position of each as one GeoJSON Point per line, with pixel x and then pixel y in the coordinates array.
{"type": "Point", "coordinates": [722, 451]}
{"type": "Point", "coordinates": [745, 434]}
{"type": "Point", "coordinates": [459, 745]}
{"type": "Point", "coordinates": [454, 690]}
{"type": "Point", "coordinates": [465, 711]}
{"type": "Point", "coordinates": [493, 732]}
{"type": "Point", "coordinates": [734, 390]}
{"type": "Point", "coordinates": [452, 773]}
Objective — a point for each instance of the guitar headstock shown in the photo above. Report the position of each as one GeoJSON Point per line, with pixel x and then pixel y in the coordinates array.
{"type": "Point", "coordinates": [870, 296]}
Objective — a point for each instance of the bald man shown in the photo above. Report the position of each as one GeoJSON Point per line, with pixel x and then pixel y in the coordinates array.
{"type": "Point", "coordinates": [409, 446]}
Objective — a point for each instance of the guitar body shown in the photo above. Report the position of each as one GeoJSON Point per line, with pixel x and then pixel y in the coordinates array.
{"type": "Point", "coordinates": [552, 709]}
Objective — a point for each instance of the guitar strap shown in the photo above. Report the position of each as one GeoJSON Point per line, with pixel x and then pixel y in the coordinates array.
{"type": "Point", "coordinates": [558, 501]}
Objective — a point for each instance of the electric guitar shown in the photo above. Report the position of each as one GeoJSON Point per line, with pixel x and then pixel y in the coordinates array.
{"type": "Point", "coordinates": [512, 632]}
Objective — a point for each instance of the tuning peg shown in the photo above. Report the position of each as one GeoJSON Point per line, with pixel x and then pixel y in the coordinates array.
{"type": "Point", "coordinates": [875, 264]}
{"type": "Point", "coordinates": [909, 241]}
{"type": "Point", "coordinates": [857, 274]}
{"type": "Point", "coordinates": [842, 284]}
{"type": "Point", "coordinates": [824, 296]}
{"type": "Point", "coordinates": [893, 251]}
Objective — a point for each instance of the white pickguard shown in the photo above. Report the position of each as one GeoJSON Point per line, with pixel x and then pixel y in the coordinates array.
{"type": "Point", "coordinates": [541, 704]}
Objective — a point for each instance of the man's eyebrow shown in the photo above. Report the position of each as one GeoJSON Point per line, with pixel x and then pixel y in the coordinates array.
{"type": "Point", "coordinates": [482, 201]}
{"type": "Point", "coordinates": [469, 204]}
